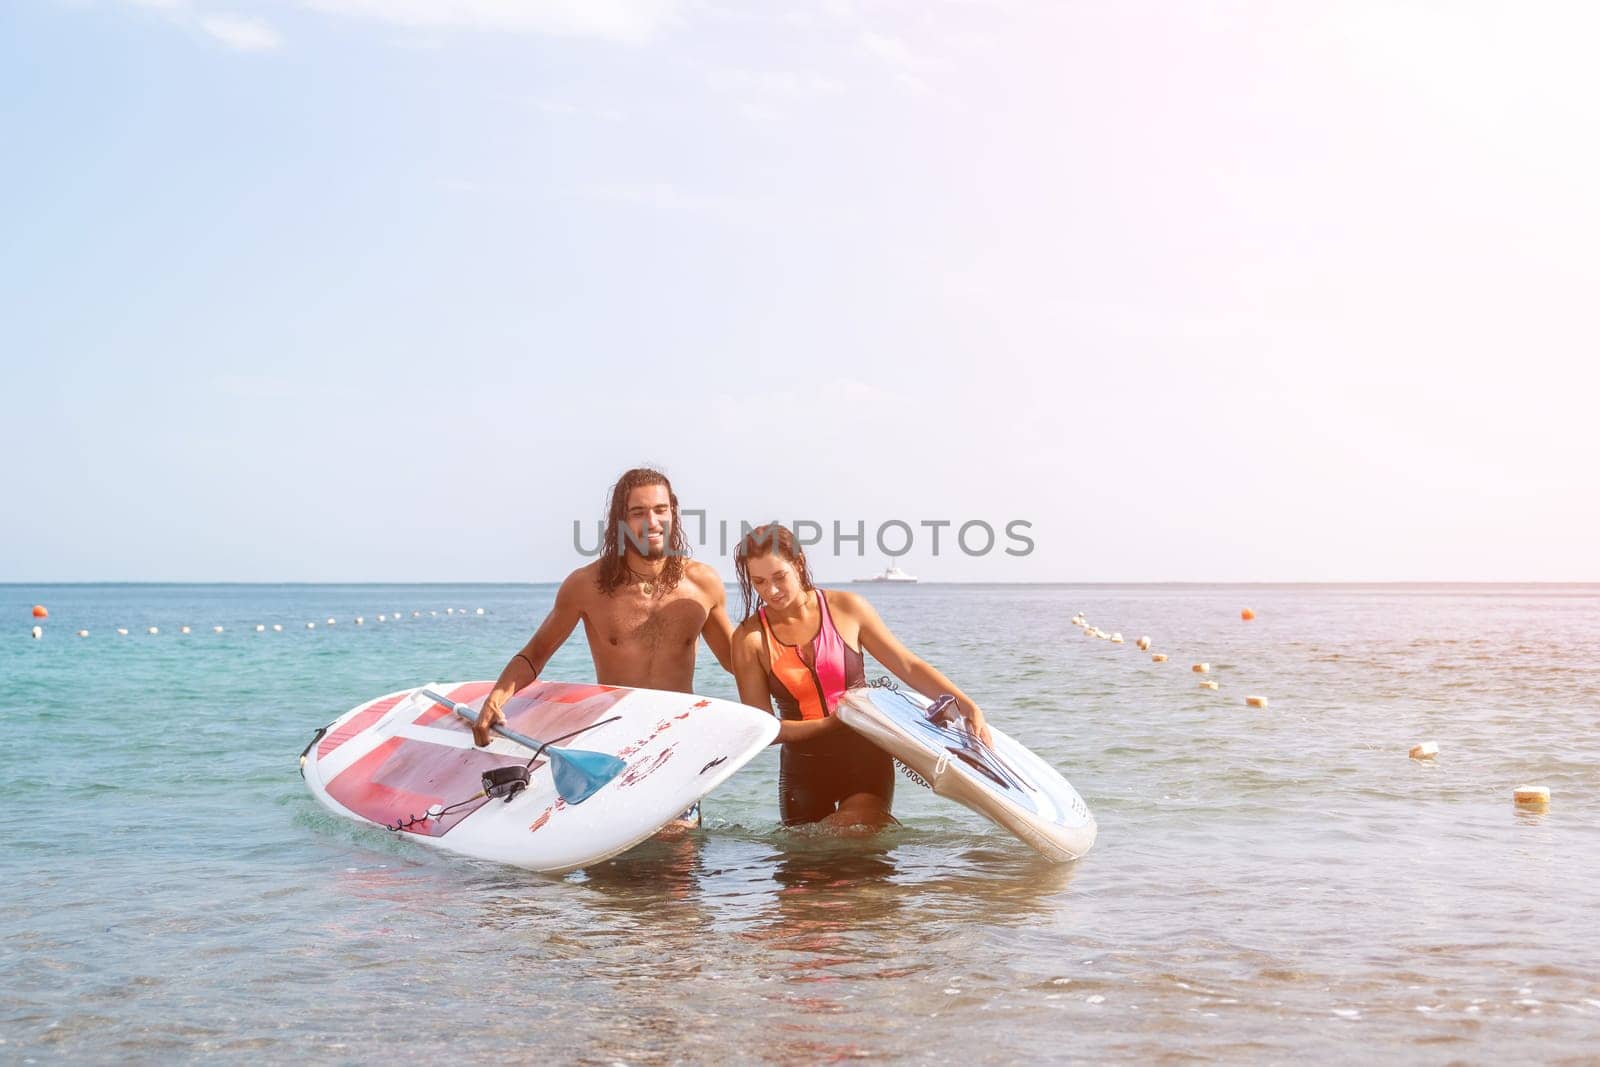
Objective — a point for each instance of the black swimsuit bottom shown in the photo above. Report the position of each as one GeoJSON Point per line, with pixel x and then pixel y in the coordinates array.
{"type": "Point", "coordinates": [816, 776]}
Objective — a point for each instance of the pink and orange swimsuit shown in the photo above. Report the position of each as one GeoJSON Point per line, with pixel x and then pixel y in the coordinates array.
{"type": "Point", "coordinates": [806, 685]}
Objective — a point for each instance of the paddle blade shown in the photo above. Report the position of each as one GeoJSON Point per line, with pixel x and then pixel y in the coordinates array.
{"type": "Point", "coordinates": [579, 773]}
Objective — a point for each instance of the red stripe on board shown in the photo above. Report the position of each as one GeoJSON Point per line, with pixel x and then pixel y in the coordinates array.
{"type": "Point", "coordinates": [358, 789]}
{"type": "Point", "coordinates": [467, 692]}
{"type": "Point", "coordinates": [356, 723]}
{"type": "Point", "coordinates": [461, 694]}
{"type": "Point", "coordinates": [542, 709]}
{"type": "Point", "coordinates": [550, 709]}
{"type": "Point", "coordinates": [573, 694]}
{"type": "Point", "coordinates": [401, 778]}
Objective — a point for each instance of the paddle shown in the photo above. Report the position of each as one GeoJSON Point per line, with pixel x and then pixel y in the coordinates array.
{"type": "Point", "coordinates": [578, 773]}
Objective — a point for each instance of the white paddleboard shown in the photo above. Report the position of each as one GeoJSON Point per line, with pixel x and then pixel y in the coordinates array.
{"type": "Point", "coordinates": [1004, 782]}
{"type": "Point", "coordinates": [390, 760]}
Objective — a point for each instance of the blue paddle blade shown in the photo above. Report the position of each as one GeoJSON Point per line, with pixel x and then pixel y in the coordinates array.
{"type": "Point", "coordinates": [579, 773]}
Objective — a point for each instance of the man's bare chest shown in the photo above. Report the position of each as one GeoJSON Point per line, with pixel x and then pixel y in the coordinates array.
{"type": "Point", "coordinates": [630, 619]}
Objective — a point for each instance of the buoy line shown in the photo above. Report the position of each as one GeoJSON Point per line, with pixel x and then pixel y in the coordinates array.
{"type": "Point", "coordinates": [1212, 685]}
{"type": "Point", "coordinates": [1526, 798]}
{"type": "Point", "coordinates": [36, 632]}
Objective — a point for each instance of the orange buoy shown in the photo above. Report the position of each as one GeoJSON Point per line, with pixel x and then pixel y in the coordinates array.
{"type": "Point", "coordinates": [1247, 614]}
{"type": "Point", "coordinates": [39, 612]}
{"type": "Point", "coordinates": [1532, 796]}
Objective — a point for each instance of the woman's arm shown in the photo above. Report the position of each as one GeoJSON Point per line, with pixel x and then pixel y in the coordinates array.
{"type": "Point", "coordinates": [911, 669]}
{"type": "Point", "coordinates": [754, 691]}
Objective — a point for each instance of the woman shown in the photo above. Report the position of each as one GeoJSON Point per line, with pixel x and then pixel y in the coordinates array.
{"type": "Point", "coordinates": [801, 649]}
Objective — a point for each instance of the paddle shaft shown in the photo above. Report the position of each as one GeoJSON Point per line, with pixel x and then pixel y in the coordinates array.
{"type": "Point", "coordinates": [509, 735]}
{"type": "Point", "coordinates": [471, 716]}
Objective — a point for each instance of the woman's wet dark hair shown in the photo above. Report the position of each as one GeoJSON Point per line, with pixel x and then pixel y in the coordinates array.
{"type": "Point", "coordinates": [768, 540]}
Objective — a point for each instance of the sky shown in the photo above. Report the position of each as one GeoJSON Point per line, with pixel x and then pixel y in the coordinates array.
{"type": "Point", "coordinates": [392, 290]}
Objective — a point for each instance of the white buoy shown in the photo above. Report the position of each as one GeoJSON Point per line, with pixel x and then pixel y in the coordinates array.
{"type": "Point", "coordinates": [1201, 668]}
{"type": "Point", "coordinates": [360, 620]}
{"type": "Point", "coordinates": [216, 629]}
{"type": "Point", "coordinates": [154, 630]}
{"type": "Point", "coordinates": [1143, 644]}
{"type": "Point", "coordinates": [183, 629]}
{"type": "Point", "coordinates": [37, 632]}
{"type": "Point", "coordinates": [1532, 796]}
{"type": "Point", "coordinates": [311, 626]}
{"type": "Point", "coordinates": [1255, 702]}
{"type": "Point", "coordinates": [260, 629]}
{"type": "Point", "coordinates": [83, 633]}
{"type": "Point", "coordinates": [433, 613]}
{"type": "Point", "coordinates": [449, 611]}
{"type": "Point", "coordinates": [330, 622]}
{"type": "Point", "coordinates": [380, 618]}
{"type": "Point", "coordinates": [1158, 657]}
{"type": "Point", "coordinates": [1116, 639]}
{"type": "Point", "coordinates": [1209, 685]}
{"type": "Point", "coordinates": [416, 614]}
{"type": "Point", "coordinates": [277, 627]}
{"type": "Point", "coordinates": [121, 632]}
{"type": "Point", "coordinates": [480, 611]}
{"type": "Point", "coordinates": [1425, 750]}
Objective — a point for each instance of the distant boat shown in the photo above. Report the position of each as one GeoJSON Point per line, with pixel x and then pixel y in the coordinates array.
{"type": "Point", "coordinates": [891, 573]}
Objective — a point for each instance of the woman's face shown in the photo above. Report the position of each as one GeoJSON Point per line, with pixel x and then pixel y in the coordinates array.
{"type": "Point", "coordinates": [774, 579]}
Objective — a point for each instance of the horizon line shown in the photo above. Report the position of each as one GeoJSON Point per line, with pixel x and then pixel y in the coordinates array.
{"type": "Point", "coordinates": [850, 581]}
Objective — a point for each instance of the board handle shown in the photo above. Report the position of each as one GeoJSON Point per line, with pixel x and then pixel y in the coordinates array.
{"type": "Point", "coordinates": [943, 711]}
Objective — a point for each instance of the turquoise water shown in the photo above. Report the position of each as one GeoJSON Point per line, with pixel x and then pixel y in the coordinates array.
{"type": "Point", "coordinates": [1267, 883]}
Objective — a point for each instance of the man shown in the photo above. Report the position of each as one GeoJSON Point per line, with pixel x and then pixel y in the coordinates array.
{"type": "Point", "coordinates": [643, 603]}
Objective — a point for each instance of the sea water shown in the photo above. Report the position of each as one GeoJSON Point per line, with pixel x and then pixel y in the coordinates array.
{"type": "Point", "coordinates": [1268, 883]}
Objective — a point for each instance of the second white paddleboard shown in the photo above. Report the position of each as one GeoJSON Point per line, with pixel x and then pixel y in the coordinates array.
{"type": "Point", "coordinates": [1003, 781]}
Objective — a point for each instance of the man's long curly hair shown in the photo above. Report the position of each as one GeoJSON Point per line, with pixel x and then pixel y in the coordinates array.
{"type": "Point", "coordinates": [613, 560]}
{"type": "Point", "coordinates": [768, 540]}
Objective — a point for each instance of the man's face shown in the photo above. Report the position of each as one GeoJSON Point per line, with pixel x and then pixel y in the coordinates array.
{"type": "Point", "coordinates": [649, 517]}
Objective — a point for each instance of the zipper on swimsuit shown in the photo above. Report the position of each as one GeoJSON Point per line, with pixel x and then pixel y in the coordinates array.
{"type": "Point", "coordinates": [823, 623]}
{"type": "Point", "coordinates": [822, 698]}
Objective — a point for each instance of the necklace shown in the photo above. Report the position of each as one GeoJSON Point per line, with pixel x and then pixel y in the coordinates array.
{"type": "Point", "coordinates": [647, 582]}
